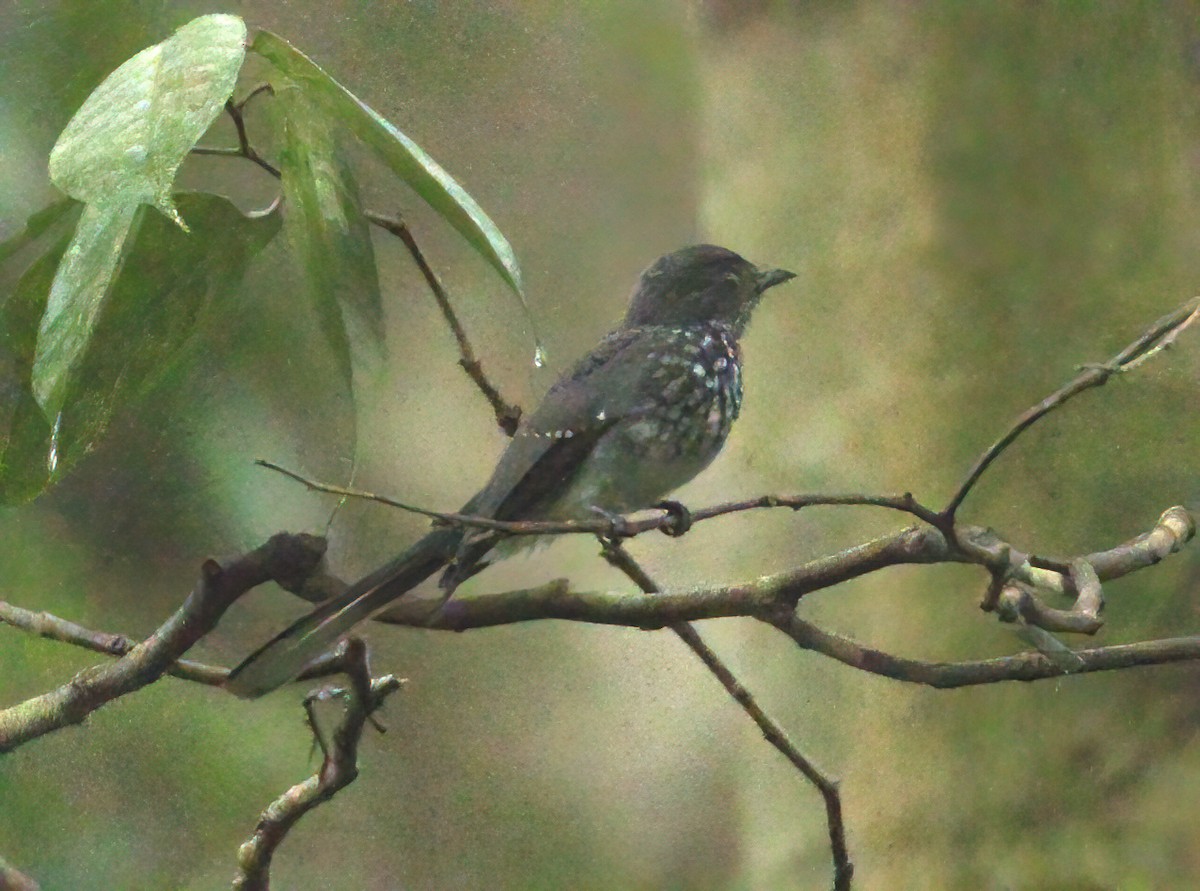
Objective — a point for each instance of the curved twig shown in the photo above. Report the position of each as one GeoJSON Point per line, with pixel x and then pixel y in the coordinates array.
{"type": "Point", "coordinates": [339, 767]}
{"type": "Point", "coordinates": [1155, 338]}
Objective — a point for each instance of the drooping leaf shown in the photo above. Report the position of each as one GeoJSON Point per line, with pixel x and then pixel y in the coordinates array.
{"type": "Point", "coordinates": [405, 158]}
{"type": "Point", "coordinates": [125, 144]}
{"type": "Point", "coordinates": [76, 296]}
{"type": "Point", "coordinates": [174, 289]}
{"type": "Point", "coordinates": [326, 226]}
{"type": "Point", "coordinates": [170, 295]}
{"type": "Point", "coordinates": [120, 150]}
{"type": "Point", "coordinates": [24, 431]}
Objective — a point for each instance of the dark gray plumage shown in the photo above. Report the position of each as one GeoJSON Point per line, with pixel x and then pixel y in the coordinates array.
{"type": "Point", "coordinates": [636, 418]}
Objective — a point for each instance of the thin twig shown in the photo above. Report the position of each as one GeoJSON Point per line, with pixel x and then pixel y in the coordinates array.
{"type": "Point", "coordinates": [260, 90]}
{"type": "Point", "coordinates": [52, 627]}
{"type": "Point", "coordinates": [843, 868]}
{"type": "Point", "coordinates": [623, 526]}
{"type": "Point", "coordinates": [282, 558]}
{"type": "Point", "coordinates": [508, 415]}
{"type": "Point", "coordinates": [245, 149]}
{"type": "Point", "coordinates": [1091, 376]}
{"type": "Point", "coordinates": [1028, 666]}
{"type": "Point", "coordinates": [1166, 342]}
{"type": "Point", "coordinates": [339, 767]}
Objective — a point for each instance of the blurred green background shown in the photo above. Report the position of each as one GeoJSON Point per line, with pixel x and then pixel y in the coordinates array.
{"type": "Point", "coordinates": [977, 197]}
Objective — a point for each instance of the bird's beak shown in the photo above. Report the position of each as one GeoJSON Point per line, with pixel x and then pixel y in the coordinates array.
{"type": "Point", "coordinates": [769, 278]}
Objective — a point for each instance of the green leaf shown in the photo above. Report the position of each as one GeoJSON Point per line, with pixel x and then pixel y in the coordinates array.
{"type": "Point", "coordinates": [326, 226]}
{"type": "Point", "coordinates": [24, 430]}
{"type": "Point", "coordinates": [76, 296]}
{"type": "Point", "coordinates": [174, 287]}
{"type": "Point", "coordinates": [120, 150]}
{"type": "Point", "coordinates": [405, 158]}
{"type": "Point", "coordinates": [125, 144]}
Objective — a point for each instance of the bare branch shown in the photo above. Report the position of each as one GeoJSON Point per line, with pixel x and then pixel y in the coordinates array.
{"type": "Point", "coordinates": [1174, 528]}
{"type": "Point", "coordinates": [339, 767]}
{"type": "Point", "coordinates": [1018, 602]}
{"type": "Point", "coordinates": [767, 595]}
{"type": "Point", "coordinates": [949, 675]}
{"type": "Point", "coordinates": [283, 558]}
{"type": "Point", "coordinates": [618, 526]}
{"type": "Point", "coordinates": [843, 868]}
{"type": "Point", "coordinates": [759, 597]}
{"type": "Point", "coordinates": [764, 598]}
{"type": "Point", "coordinates": [508, 414]}
{"type": "Point", "coordinates": [1157, 336]}
{"type": "Point", "coordinates": [52, 627]}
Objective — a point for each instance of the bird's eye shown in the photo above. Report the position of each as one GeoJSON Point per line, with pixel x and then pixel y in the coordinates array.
{"type": "Point", "coordinates": [732, 277]}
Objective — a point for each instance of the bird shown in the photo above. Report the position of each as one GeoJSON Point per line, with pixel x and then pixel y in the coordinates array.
{"type": "Point", "coordinates": [639, 416]}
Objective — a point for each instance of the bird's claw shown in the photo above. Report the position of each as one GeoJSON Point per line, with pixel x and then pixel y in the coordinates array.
{"type": "Point", "coordinates": [680, 518]}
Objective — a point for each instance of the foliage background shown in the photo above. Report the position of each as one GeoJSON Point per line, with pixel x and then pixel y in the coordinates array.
{"type": "Point", "coordinates": [977, 199]}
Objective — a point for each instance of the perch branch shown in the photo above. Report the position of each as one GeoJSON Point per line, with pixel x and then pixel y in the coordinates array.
{"type": "Point", "coordinates": [626, 526]}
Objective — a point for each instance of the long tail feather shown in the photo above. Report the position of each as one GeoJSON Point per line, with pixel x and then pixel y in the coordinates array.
{"type": "Point", "coordinates": [284, 656]}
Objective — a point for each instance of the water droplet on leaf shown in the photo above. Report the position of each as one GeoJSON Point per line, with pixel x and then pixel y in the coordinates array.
{"type": "Point", "coordinates": [52, 457]}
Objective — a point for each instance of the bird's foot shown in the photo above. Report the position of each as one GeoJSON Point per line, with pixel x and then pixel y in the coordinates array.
{"type": "Point", "coordinates": [680, 518]}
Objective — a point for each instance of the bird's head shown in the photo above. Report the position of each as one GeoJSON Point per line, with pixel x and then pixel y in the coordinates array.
{"type": "Point", "coordinates": [698, 284]}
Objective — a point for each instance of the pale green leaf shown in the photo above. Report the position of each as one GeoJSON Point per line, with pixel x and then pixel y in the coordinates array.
{"type": "Point", "coordinates": [405, 158]}
{"type": "Point", "coordinates": [78, 292]}
{"type": "Point", "coordinates": [324, 220]}
{"type": "Point", "coordinates": [125, 144]}
{"type": "Point", "coordinates": [174, 286]}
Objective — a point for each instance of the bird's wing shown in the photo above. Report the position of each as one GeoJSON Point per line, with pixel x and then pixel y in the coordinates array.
{"type": "Point", "coordinates": [555, 440]}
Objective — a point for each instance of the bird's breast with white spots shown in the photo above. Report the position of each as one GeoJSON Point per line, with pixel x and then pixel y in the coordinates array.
{"type": "Point", "coordinates": [698, 378]}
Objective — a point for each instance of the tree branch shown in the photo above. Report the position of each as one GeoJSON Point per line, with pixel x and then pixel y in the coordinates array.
{"type": "Point", "coordinates": [1027, 666]}
{"type": "Point", "coordinates": [284, 558]}
{"type": "Point", "coordinates": [52, 627]}
{"type": "Point", "coordinates": [1152, 341]}
{"type": "Point", "coordinates": [339, 766]}
{"type": "Point", "coordinates": [767, 598]}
